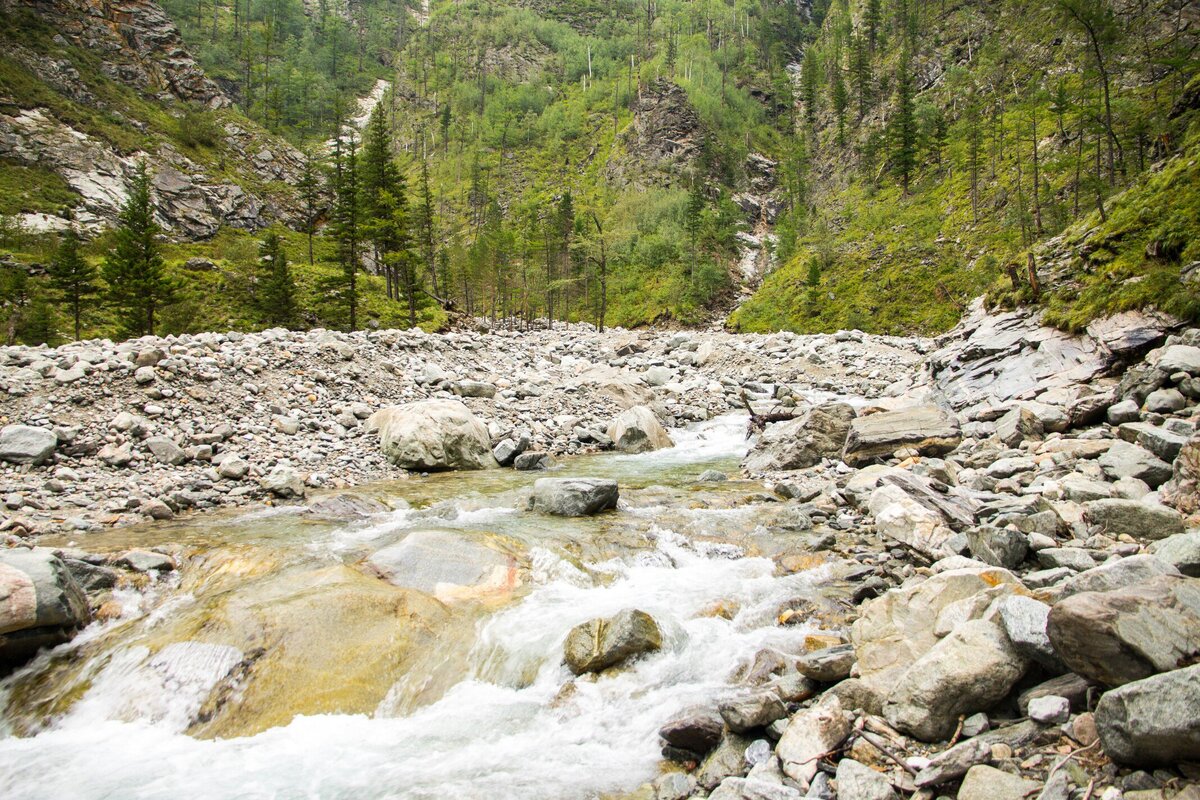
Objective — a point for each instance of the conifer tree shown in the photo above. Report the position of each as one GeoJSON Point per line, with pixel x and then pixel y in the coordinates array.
{"type": "Point", "coordinates": [425, 226]}
{"type": "Point", "coordinates": [309, 187]}
{"type": "Point", "coordinates": [346, 224]}
{"type": "Point", "coordinates": [276, 286]}
{"type": "Point", "coordinates": [903, 124]}
{"type": "Point", "coordinates": [138, 282]}
{"type": "Point", "coordinates": [72, 278]}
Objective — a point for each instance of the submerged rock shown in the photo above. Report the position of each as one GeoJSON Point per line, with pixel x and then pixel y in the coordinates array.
{"type": "Point", "coordinates": [40, 603]}
{"type": "Point", "coordinates": [574, 497]}
{"type": "Point", "coordinates": [602, 643]}
{"type": "Point", "coordinates": [433, 435]}
{"type": "Point", "coordinates": [446, 564]}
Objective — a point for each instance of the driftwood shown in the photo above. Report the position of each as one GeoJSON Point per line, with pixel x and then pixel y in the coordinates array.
{"type": "Point", "coordinates": [760, 421]}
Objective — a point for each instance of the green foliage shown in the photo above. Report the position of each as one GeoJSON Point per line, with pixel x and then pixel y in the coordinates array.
{"type": "Point", "coordinates": [139, 285]}
{"type": "Point", "coordinates": [25, 189]}
{"type": "Point", "coordinates": [72, 277]}
{"type": "Point", "coordinates": [276, 288]}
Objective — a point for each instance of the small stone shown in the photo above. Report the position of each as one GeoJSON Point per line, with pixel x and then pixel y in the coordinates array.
{"type": "Point", "coordinates": [144, 375]}
{"type": "Point", "coordinates": [988, 783]}
{"type": "Point", "coordinates": [1049, 710]}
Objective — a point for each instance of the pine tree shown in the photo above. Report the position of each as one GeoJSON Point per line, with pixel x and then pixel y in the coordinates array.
{"type": "Point", "coordinates": [345, 222]}
{"type": "Point", "coordinates": [379, 177]}
{"type": "Point", "coordinates": [860, 73]}
{"type": "Point", "coordinates": [425, 226]}
{"type": "Point", "coordinates": [872, 17]}
{"type": "Point", "coordinates": [808, 83]}
{"type": "Point", "coordinates": [839, 98]}
{"type": "Point", "coordinates": [309, 187]}
{"type": "Point", "coordinates": [903, 124]}
{"type": "Point", "coordinates": [276, 286]}
{"type": "Point", "coordinates": [71, 277]}
{"type": "Point", "coordinates": [693, 220]}
{"type": "Point", "coordinates": [138, 283]}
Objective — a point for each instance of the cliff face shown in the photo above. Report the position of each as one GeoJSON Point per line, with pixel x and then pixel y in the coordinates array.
{"type": "Point", "coordinates": [91, 89]}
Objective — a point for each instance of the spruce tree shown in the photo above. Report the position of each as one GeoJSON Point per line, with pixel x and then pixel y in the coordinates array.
{"type": "Point", "coordinates": [72, 278]}
{"type": "Point", "coordinates": [904, 126]}
{"type": "Point", "coordinates": [309, 187]}
{"type": "Point", "coordinates": [138, 283]}
{"type": "Point", "coordinates": [276, 286]}
{"type": "Point", "coordinates": [425, 227]}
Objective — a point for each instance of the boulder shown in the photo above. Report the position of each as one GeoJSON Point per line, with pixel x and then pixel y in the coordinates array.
{"type": "Point", "coordinates": [903, 518]}
{"type": "Point", "coordinates": [40, 603]}
{"type": "Point", "coordinates": [165, 450]}
{"type": "Point", "coordinates": [25, 444]}
{"type": "Point", "coordinates": [895, 630]}
{"type": "Point", "coordinates": [828, 665]}
{"type": "Point", "coordinates": [1165, 401]}
{"type": "Point", "coordinates": [1000, 547]}
{"type": "Point", "coordinates": [928, 430]}
{"type": "Point", "coordinates": [970, 670]}
{"type": "Point", "coordinates": [598, 644]}
{"type": "Point", "coordinates": [1183, 490]}
{"type": "Point", "coordinates": [1181, 551]}
{"type": "Point", "coordinates": [817, 434]}
{"type": "Point", "coordinates": [809, 735]}
{"type": "Point", "coordinates": [1018, 425]}
{"type": "Point", "coordinates": [283, 481]}
{"type": "Point", "coordinates": [856, 781]}
{"type": "Point", "coordinates": [573, 497]}
{"type": "Point", "coordinates": [345, 506]}
{"type": "Point", "coordinates": [1134, 518]}
{"type": "Point", "coordinates": [693, 735]}
{"type": "Point", "coordinates": [1024, 621]}
{"type": "Point", "coordinates": [1152, 722]}
{"type": "Point", "coordinates": [637, 430]}
{"type": "Point", "coordinates": [1125, 460]}
{"type": "Point", "coordinates": [1179, 358]}
{"type": "Point", "coordinates": [751, 788]}
{"type": "Point", "coordinates": [433, 435]}
{"type": "Point", "coordinates": [446, 564]}
{"type": "Point", "coordinates": [1117, 575]}
{"type": "Point", "coordinates": [750, 711]}
{"type": "Point", "coordinates": [1131, 633]}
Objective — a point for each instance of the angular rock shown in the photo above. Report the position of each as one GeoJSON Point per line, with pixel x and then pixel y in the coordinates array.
{"type": "Point", "coordinates": [752, 711]}
{"type": "Point", "coordinates": [857, 781]}
{"type": "Point", "coordinates": [574, 497]}
{"type": "Point", "coordinates": [165, 450]}
{"type": "Point", "coordinates": [1183, 490]}
{"type": "Point", "coordinates": [829, 664]}
{"type": "Point", "coordinates": [1132, 633]}
{"type": "Point", "coordinates": [25, 444]}
{"type": "Point", "coordinates": [1000, 547]}
{"type": "Point", "coordinates": [533, 461]}
{"type": "Point", "coordinates": [602, 643]}
{"type": "Point", "coordinates": [988, 783]}
{"type": "Point", "coordinates": [1117, 575]}
{"type": "Point", "coordinates": [637, 430]}
{"type": "Point", "coordinates": [1049, 710]}
{"type": "Point", "coordinates": [817, 434]}
{"type": "Point", "coordinates": [1018, 425]}
{"type": "Point", "coordinates": [901, 517]}
{"type": "Point", "coordinates": [928, 430]}
{"type": "Point", "coordinates": [968, 671]}
{"type": "Point", "coordinates": [1179, 358]}
{"type": "Point", "coordinates": [433, 435]}
{"type": "Point", "coordinates": [1181, 551]}
{"type": "Point", "coordinates": [695, 733]}
{"type": "Point", "coordinates": [1134, 518]}
{"type": "Point", "coordinates": [952, 764]}
{"type": "Point", "coordinates": [809, 735]}
{"type": "Point", "coordinates": [1125, 460]}
{"type": "Point", "coordinates": [283, 481]}
{"type": "Point", "coordinates": [346, 506]}
{"type": "Point", "coordinates": [753, 789]}
{"type": "Point", "coordinates": [1152, 722]}
{"type": "Point", "coordinates": [1024, 620]}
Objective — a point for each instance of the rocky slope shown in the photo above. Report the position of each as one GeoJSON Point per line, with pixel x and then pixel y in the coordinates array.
{"type": "Point", "coordinates": [90, 90]}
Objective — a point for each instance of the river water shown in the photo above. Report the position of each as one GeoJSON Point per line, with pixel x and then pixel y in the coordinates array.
{"type": "Point", "coordinates": [273, 665]}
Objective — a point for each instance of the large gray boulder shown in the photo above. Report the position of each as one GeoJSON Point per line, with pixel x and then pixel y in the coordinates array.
{"type": "Point", "coordinates": [1181, 551]}
{"type": "Point", "coordinates": [25, 444]}
{"type": "Point", "coordinates": [904, 518]}
{"type": "Point", "coordinates": [637, 430]}
{"type": "Point", "coordinates": [928, 430]}
{"type": "Point", "coordinates": [1152, 722]}
{"type": "Point", "coordinates": [447, 564]}
{"type": "Point", "coordinates": [598, 644]}
{"type": "Point", "coordinates": [1183, 490]}
{"type": "Point", "coordinates": [1133, 517]}
{"type": "Point", "coordinates": [573, 497]}
{"type": "Point", "coordinates": [1117, 575]}
{"type": "Point", "coordinates": [40, 603]}
{"type": "Point", "coordinates": [809, 735]}
{"type": "Point", "coordinates": [1132, 633]}
{"type": "Point", "coordinates": [1125, 460]}
{"type": "Point", "coordinates": [970, 670]}
{"type": "Point", "coordinates": [988, 783]}
{"type": "Point", "coordinates": [1180, 358]}
{"type": "Point", "coordinates": [817, 434]}
{"type": "Point", "coordinates": [433, 435]}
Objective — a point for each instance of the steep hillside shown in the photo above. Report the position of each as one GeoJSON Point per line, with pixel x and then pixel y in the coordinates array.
{"type": "Point", "coordinates": [946, 142]}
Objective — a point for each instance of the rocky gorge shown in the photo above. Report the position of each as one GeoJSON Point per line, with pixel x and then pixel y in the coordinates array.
{"type": "Point", "coordinates": [961, 567]}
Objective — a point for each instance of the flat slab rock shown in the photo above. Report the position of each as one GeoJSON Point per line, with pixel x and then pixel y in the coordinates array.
{"type": "Point", "coordinates": [929, 430]}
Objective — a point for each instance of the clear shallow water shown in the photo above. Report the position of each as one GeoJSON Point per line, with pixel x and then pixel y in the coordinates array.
{"type": "Point", "coordinates": [469, 700]}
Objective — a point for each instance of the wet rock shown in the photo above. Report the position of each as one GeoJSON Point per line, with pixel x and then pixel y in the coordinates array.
{"type": "Point", "coordinates": [927, 430]}
{"type": "Point", "coordinates": [447, 564]}
{"type": "Point", "coordinates": [817, 434]}
{"type": "Point", "coordinates": [969, 670]}
{"type": "Point", "coordinates": [693, 735]}
{"type": "Point", "coordinates": [24, 444]}
{"type": "Point", "coordinates": [828, 665]}
{"type": "Point", "coordinates": [283, 481]}
{"type": "Point", "coordinates": [1134, 518]}
{"type": "Point", "coordinates": [144, 561]}
{"type": "Point", "coordinates": [37, 590]}
{"type": "Point", "coordinates": [574, 497]}
{"type": "Point", "coordinates": [637, 430]}
{"type": "Point", "coordinates": [345, 507]}
{"type": "Point", "coordinates": [508, 449]}
{"type": "Point", "coordinates": [712, 476]}
{"type": "Point", "coordinates": [602, 643]}
{"type": "Point", "coordinates": [752, 711]}
{"type": "Point", "coordinates": [1152, 721]}
{"type": "Point", "coordinates": [809, 735]}
{"type": "Point", "coordinates": [988, 783]}
{"type": "Point", "coordinates": [1131, 633]}
{"type": "Point", "coordinates": [727, 760]}
{"type": "Point", "coordinates": [433, 435]}
{"type": "Point", "coordinates": [533, 461]}
{"type": "Point", "coordinates": [857, 781]}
